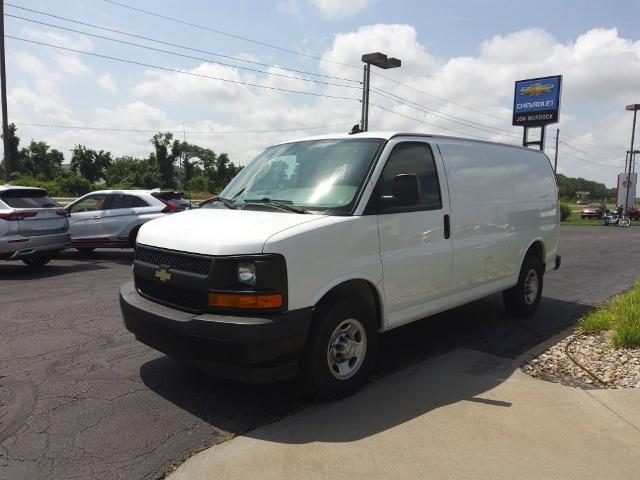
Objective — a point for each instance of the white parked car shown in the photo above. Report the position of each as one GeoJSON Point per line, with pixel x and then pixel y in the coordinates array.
{"type": "Point", "coordinates": [318, 246]}
{"type": "Point", "coordinates": [33, 227]}
{"type": "Point", "coordinates": [112, 218]}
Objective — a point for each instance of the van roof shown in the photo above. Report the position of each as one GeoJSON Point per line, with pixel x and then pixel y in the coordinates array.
{"type": "Point", "coordinates": [387, 135]}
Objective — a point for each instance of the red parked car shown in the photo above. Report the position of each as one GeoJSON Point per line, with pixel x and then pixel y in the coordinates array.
{"type": "Point", "coordinates": [593, 210]}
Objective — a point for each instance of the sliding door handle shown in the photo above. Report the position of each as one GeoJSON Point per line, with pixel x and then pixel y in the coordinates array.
{"type": "Point", "coordinates": [447, 226]}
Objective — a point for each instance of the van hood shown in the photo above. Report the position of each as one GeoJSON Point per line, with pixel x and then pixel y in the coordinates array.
{"type": "Point", "coordinates": [217, 231]}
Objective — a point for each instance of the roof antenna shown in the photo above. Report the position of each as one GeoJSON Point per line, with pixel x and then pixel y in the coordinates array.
{"type": "Point", "coordinates": [355, 129]}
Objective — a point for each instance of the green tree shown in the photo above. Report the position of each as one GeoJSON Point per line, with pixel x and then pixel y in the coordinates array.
{"type": "Point", "coordinates": [14, 143]}
{"type": "Point", "coordinates": [164, 161]}
{"type": "Point", "coordinates": [40, 162]}
{"type": "Point", "coordinates": [89, 163]}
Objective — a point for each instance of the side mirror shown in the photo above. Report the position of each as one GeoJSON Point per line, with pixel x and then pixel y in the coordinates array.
{"type": "Point", "coordinates": [405, 189]}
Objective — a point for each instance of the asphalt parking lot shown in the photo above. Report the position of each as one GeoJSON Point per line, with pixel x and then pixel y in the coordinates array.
{"type": "Point", "coordinates": [80, 398]}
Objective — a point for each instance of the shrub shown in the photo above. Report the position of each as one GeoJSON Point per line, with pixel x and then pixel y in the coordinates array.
{"type": "Point", "coordinates": [73, 185]}
{"type": "Point", "coordinates": [565, 212]}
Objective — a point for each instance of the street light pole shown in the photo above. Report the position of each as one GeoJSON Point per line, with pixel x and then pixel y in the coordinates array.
{"type": "Point", "coordinates": [555, 162]}
{"type": "Point", "coordinates": [635, 107]}
{"type": "Point", "coordinates": [380, 60]}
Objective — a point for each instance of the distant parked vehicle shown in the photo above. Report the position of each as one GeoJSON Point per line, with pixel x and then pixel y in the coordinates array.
{"type": "Point", "coordinates": [33, 227]}
{"type": "Point", "coordinates": [207, 201]}
{"type": "Point", "coordinates": [112, 218]}
{"type": "Point", "coordinates": [593, 210]}
{"type": "Point", "coordinates": [634, 214]}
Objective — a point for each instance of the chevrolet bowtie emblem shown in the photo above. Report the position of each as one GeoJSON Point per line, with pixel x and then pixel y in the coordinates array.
{"type": "Point", "coordinates": [536, 89]}
{"type": "Point", "coordinates": [163, 275]}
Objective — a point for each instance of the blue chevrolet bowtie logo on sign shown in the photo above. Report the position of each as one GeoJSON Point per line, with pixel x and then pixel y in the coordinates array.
{"type": "Point", "coordinates": [537, 101]}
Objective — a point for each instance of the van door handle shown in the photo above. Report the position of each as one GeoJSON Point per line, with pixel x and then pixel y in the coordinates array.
{"type": "Point", "coordinates": [447, 227]}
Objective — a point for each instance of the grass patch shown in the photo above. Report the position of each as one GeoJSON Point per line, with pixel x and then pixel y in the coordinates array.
{"type": "Point", "coordinates": [620, 315]}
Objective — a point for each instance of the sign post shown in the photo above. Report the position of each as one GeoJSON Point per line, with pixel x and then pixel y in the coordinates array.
{"type": "Point", "coordinates": [536, 103]}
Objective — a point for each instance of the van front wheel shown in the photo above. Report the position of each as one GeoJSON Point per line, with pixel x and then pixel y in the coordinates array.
{"type": "Point", "coordinates": [341, 351]}
{"type": "Point", "coordinates": [522, 300]}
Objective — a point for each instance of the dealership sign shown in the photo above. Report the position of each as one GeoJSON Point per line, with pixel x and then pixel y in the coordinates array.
{"type": "Point", "coordinates": [537, 101]}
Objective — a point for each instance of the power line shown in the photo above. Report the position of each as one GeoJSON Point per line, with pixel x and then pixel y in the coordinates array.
{"type": "Point", "coordinates": [440, 114]}
{"type": "Point", "coordinates": [575, 137]}
{"type": "Point", "coordinates": [436, 97]}
{"type": "Point", "coordinates": [182, 72]}
{"type": "Point", "coordinates": [185, 47]}
{"type": "Point", "coordinates": [227, 34]}
{"type": "Point", "coordinates": [582, 151]}
{"type": "Point", "coordinates": [427, 123]}
{"type": "Point", "coordinates": [178, 130]}
{"type": "Point", "coordinates": [590, 162]}
{"type": "Point", "coordinates": [180, 54]}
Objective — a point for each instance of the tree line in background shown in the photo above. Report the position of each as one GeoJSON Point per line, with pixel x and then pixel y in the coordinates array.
{"type": "Point", "coordinates": [569, 188]}
{"type": "Point", "coordinates": [173, 164]}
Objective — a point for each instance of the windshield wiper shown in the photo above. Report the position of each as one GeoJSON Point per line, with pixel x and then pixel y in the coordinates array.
{"type": "Point", "coordinates": [227, 203]}
{"type": "Point", "coordinates": [281, 204]}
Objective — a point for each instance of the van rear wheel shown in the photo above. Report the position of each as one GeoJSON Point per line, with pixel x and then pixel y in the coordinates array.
{"type": "Point", "coordinates": [341, 351]}
{"type": "Point", "coordinates": [522, 300]}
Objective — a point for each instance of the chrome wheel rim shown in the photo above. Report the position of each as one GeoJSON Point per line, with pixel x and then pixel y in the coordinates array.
{"type": "Point", "coordinates": [347, 349]}
{"type": "Point", "coordinates": [531, 286]}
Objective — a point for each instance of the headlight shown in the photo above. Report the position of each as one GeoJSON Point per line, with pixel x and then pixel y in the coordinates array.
{"type": "Point", "coordinates": [247, 273]}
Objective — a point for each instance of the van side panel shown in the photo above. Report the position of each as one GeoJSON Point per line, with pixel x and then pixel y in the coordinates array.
{"type": "Point", "coordinates": [502, 199]}
{"type": "Point", "coordinates": [482, 195]}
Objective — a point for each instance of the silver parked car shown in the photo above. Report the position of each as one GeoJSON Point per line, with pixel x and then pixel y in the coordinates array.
{"type": "Point", "coordinates": [112, 218]}
{"type": "Point", "coordinates": [33, 227]}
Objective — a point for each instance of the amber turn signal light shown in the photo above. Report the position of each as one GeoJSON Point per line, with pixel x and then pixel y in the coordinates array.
{"type": "Point", "coordinates": [241, 300]}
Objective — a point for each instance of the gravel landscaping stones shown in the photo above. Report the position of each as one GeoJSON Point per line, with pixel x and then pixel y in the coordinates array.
{"type": "Point", "coordinates": [618, 368]}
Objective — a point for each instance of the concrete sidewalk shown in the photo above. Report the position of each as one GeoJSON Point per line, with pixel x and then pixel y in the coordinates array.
{"type": "Point", "coordinates": [462, 415]}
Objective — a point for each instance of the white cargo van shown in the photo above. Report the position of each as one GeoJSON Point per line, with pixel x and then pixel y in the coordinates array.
{"type": "Point", "coordinates": [320, 245]}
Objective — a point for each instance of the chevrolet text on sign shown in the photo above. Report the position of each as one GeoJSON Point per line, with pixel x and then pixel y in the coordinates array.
{"type": "Point", "coordinates": [537, 101]}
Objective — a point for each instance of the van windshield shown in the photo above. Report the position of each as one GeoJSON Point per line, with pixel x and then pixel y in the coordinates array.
{"type": "Point", "coordinates": [324, 175]}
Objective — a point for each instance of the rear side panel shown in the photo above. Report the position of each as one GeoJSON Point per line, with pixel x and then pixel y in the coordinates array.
{"type": "Point", "coordinates": [502, 200]}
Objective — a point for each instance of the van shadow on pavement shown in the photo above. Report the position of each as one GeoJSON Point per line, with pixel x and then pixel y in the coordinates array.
{"type": "Point", "coordinates": [490, 339]}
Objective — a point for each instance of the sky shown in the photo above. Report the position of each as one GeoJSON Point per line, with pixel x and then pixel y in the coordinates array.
{"type": "Point", "coordinates": [237, 76]}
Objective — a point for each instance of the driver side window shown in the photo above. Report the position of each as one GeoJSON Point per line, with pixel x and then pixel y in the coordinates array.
{"type": "Point", "coordinates": [91, 203]}
{"type": "Point", "coordinates": [413, 158]}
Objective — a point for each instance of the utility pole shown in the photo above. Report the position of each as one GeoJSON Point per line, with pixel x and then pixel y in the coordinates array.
{"type": "Point", "coordinates": [8, 161]}
{"type": "Point", "coordinates": [635, 107]}
{"type": "Point", "coordinates": [555, 161]}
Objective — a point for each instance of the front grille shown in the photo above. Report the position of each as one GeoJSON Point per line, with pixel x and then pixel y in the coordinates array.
{"type": "Point", "coordinates": [187, 299]}
{"type": "Point", "coordinates": [174, 261]}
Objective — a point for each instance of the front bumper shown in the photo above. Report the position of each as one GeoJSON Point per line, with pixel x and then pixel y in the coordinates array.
{"type": "Point", "coordinates": [22, 247]}
{"type": "Point", "coordinates": [248, 349]}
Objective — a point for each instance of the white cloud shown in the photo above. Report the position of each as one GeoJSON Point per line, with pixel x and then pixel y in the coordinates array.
{"type": "Point", "coordinates": [600, 71]}
{"type": "Point", "coordinates": [292, 7]}
{"type": "Point", "coordinates": [76, 42]}
{"type": "Point", "coordinates": [107, 82]}
{"type": "Point", "coordinates": [71, 64]}
{"type": "Point", "coordinates": [340, 8]}
{"type": "Point", "coordinates": [135, 115]}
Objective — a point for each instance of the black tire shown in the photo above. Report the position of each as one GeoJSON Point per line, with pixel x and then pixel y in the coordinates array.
{"type": "Point", "coordinates": [520, 301]}
{"type": "Point", "coordinates": [38, 260]}
{"type": "Point", "coordinates": [85, 249]}
{"type": "Point", "coordinates": [133, 236]}
{"type": "Point", "coordinates": [316, 374]}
